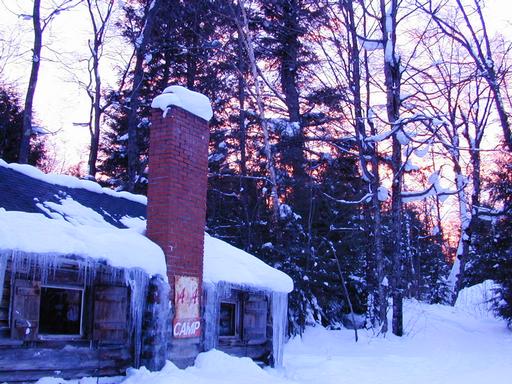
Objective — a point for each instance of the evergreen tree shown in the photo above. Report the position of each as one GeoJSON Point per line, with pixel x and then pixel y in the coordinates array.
{"type": "Point", "coordinates": [425, 266]}
{"type": "Point", "coordinates": [181, 50]}
{"type": "Point", "coordinates": [11, 128]}
{"type": "Point", "coordinates": [11, 125]}
{"type": "Point", "coordinates": [493, 239]}
{"type": "Point", "coordinates": [315, 256]}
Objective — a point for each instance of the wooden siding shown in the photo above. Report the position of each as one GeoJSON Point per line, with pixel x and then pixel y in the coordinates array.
{"type": "Point", "coordinates": [25, 309]}
{"type": "Point", "coordinates": [29, 356]}
{"type": "Point", "coordinates": [110, 314]}
{"type": "Point", "coordinates": [254, 323]}
{"type": "Point", "coordinates": [32, 363]}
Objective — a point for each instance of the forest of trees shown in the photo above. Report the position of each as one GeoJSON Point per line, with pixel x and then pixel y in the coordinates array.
{"type": "Point", "coordinates": [342, 131]}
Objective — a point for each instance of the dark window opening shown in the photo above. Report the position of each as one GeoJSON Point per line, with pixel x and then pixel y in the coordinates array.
{"type": "Point", "coordinates": [227, 323]}
{"type": "Point", "coordinates": [60, 311]}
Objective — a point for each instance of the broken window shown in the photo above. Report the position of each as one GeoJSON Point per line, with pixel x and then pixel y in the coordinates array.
{"type": "Point", "coordinates": [61, 311]}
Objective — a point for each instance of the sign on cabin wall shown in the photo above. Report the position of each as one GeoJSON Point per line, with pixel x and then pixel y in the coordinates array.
{"type": "Point", "coordinates": [187, 321]}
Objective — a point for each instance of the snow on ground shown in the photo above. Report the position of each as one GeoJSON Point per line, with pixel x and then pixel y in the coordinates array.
{"type": "Point", "coordinates": [477, 300]}
{"type": "Point", "coordinates": [442, 345]}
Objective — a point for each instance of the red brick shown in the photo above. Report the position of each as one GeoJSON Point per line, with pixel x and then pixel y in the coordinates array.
{"type": "Point", "coordinates": [178, 168]}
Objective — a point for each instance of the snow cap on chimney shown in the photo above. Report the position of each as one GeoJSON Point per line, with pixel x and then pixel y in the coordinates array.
{"type": "Point", "coordinates": [193, 102]}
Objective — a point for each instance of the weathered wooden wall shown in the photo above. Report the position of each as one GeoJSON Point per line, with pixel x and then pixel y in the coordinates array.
{"type": "Point", "coordinates": [28, 362]}
{"type": "Point", "coordinates": [104, 347]}
{"type": "Point", "coordinates": [254, 334]}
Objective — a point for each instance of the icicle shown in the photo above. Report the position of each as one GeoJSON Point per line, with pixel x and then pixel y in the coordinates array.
{"type": "Point", "coordinates": [3, 267]}
{"type": "Point", "coordinates": [279, 324]}
{"type": "Point", "coordinates": [138, 281]}
{"type": "Point", "coordinates": [34, 266]}
{"type": "Point", "coordinates": [157, 324]}
{"type": "Point", "coordinates": [211, 315]}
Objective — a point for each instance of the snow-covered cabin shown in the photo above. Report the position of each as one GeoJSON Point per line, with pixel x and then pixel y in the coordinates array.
{"type": "Point", "coordinates": [85, 289]}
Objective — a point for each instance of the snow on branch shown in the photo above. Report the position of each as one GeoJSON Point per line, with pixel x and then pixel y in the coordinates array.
{"type": "Point", "coordinates": [403, 136]}
{"type": "Point", "coordinates": [366, 198]}
{"type": "Point", "coordinates": [435, 189]}
{"type": "Point", "coordinates": [370, 44]}
{"type": "Point", "coordinates": [240, 176]}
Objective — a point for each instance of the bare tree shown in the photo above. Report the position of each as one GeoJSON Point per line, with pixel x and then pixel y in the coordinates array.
{"type": "Point", "coordinates": [245, 34]}
{"type": "Point", "coordinates": [40, 23]}
{"type": "Point", "coordinates": [368, 156]}
{"type": "Point", "coordinates": [393, 82]}
{"type": "Point", "coordinates": [371, 29]}
{"type": "Point", "coordinates": [471, 32]}
{"type": "Point", "coordinates": [452, 89]}
{"type": "Point", "coordinates": [100, 12]}
{"type": "Point", "coordinates": [31, 90]}
{"type": "Point", "coordinates": [9, 49]}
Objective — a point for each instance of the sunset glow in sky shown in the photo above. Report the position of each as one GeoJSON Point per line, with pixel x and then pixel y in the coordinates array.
{"type": "Point", "coordinates": [60, 101]}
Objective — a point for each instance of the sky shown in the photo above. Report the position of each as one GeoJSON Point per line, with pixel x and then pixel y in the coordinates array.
{"type": "Point", "coordinates": [59, 100]}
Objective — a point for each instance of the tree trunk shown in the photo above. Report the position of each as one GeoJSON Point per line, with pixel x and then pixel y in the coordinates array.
{"type": "Point", "coordinates": [367, 150]}
{"type": "Point", "coordinates": [293, 145]}
{"type": "Point", "coordinates": [393, 79]}
{"type": "Point", "coordinates": [500, 107]}
{"type": "Point", "coordinates": [459, 267]}
{"type": "Point", "coordinates": [382, 288]}
{"type": "Point", "coordinates": [95, 131]}
{"type": "Point", "coordinates": [34, 73]}
{"type": "Point", "coordinates": [242, 138]}
{"type": "Point", "coordinates": [243, 29]}
{"type": "Point", "coordinates": [138, 77]}
{"type": "Point", "coordinates": [99, 25]}
{"type": "Point", "coordinates": [469, 210]}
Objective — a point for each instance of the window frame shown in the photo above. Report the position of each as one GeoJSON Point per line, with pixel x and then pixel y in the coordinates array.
{"type": "Point", "coordinates": [237, 319]}
{"type": "Point", "coordinates": [56, 336]}
{"type": "Point", "coordinates": [240, 299]}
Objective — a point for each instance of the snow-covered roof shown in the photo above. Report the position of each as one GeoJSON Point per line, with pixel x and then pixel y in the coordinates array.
{"type": "Point", "coordinates": [194, 102]}
{"type": "Point", "coordinates": [223, 262]}
{"type": "Point", "coordinates": [70, 181]}
{"type": "Point", "coordinates": [36, 233]}
{"type": "Point", "coordinates": [75, 217]}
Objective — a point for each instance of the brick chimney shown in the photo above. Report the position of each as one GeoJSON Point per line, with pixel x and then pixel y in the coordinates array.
{"type": "Point", "coordinates": [176, 213]}
{"type": "Point", "coordinates": [178, 169]}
